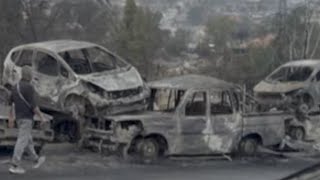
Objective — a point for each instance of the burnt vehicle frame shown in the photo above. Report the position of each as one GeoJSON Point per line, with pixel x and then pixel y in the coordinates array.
{"type": "Point", "coordinates": [79, 79]}
{"type": "Point", "coordinates": [292, 84]}
{"type": "Point", "coordinates": [222, 127]}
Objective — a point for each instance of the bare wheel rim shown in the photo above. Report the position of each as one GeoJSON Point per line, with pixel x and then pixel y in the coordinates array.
{"type": "Point", "coordinates": [149, 149]}
{"type": "Point", "coordinates": [249, 146]}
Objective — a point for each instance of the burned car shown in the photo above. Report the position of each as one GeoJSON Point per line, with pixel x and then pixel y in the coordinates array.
{"type": "Point", "coordinates": [80, 78]}
{"type": "Point", "coordinates": [296, 82]}
{"type": "Point", "coordinates": [188, 115]}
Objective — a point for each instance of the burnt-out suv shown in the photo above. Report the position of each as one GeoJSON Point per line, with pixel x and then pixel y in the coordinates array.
{"type": "Point", "coordinates": [78, 78]}
{"type": "Point", "coordinates": [192, 115]}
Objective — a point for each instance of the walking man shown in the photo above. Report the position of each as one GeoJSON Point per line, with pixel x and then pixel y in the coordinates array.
{"type": "Point", "coordinates": [23, 103]}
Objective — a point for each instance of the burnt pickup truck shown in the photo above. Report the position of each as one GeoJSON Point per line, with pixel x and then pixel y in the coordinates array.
{"type": "Point", "coordinates": [189, 115]}
{"type": "Point", "coordinates": [41, 133]}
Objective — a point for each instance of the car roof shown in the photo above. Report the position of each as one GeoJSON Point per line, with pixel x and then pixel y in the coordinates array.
{"type": "Point", "coordinates": [191, 81]}
{"type": "Point", "coordinates": [307, 62]}
{"type": "Point", "coordinates": [58, 45]}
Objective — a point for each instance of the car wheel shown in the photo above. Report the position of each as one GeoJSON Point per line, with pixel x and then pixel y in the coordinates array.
{"type": "Point", "coordinates": [148, 150]}
{"type": "Point", "coordinates": [297, 133]}
{"type": "Point", "coordinates": [248, 146]}
{"type": "Point", "coordinates": [66, 131]}
{"type": "Point", "coordinates": [306, 103]}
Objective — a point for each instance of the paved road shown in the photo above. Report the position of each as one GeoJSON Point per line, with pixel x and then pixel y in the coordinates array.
{"type": "Point", "coordinates": [65, 163]}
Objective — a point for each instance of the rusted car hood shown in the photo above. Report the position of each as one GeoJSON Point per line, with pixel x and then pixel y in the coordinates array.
{"type": "Point", "coordinates": [278, 87]}
{"type": "Point", "coordinates": [115, 81]}
{"type": "Point", "coordinates": [145, 115]}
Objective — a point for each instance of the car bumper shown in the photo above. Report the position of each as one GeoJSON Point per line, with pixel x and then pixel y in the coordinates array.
{"type": "Point", "coordinates": [102, 140]}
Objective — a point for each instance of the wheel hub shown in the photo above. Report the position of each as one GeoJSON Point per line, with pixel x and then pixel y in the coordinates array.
{"type": "Point", "coordinates": [249, 147]}
{"type": "Point", "coordinates": [148, 150]}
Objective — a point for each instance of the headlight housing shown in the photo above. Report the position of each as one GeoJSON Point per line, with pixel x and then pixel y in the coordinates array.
{"type": "Point", "coordinates": [95, 89]}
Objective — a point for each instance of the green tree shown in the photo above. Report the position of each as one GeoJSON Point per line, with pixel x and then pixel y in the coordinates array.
{"type": "Point", "coordinates": [138, 37]}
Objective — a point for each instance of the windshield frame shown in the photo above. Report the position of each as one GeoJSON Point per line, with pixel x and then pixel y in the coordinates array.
{"type": "Point", "coordinates": [269, 77]}
{"type": "Point", "coordinates": [117, 60]}
{"type": "Point", "coordinates": [173, 93]}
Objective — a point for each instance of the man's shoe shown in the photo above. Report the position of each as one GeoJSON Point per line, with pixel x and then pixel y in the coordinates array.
{"type": "Point", "coordinates": [16, 170]}
{"type": "Point", "coordinates": [40, 161]}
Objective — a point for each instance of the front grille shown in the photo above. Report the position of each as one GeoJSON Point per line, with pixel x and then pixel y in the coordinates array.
{"type": "Point", "coordinates": [104, 124]}
{"type": "Point", "coordinates": [124, 93]}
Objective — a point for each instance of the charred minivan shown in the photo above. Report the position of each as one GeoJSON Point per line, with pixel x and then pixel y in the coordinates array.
{"type": "Point", "coordinates": [293, 82]}
{"type": "Point", "coordinates": [78, 77]}
{"type": "Point", "coordinates": [191, 115]}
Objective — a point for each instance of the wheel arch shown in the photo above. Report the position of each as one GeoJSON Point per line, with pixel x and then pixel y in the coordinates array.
{"type": "Point", "coordinates": [64, 122]}
{"type": "Point", "coordinates": [162, 140]}
{"type": "Point", "coordinates": [253, 135]}
{"type": "Point", "coordinates": [78, 95]}
{"type": "Point", "coordinates": [306, 94]}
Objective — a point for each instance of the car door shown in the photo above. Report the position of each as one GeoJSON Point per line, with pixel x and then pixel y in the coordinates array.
{"type": "Point", "coordinates": [225, 122]}
{"type": "Point", "coordinates": [193, 120]}
{"type": "Point", "coordinates": [23, 58]}
{"type": "Point", "coordinates": [47, 79]}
